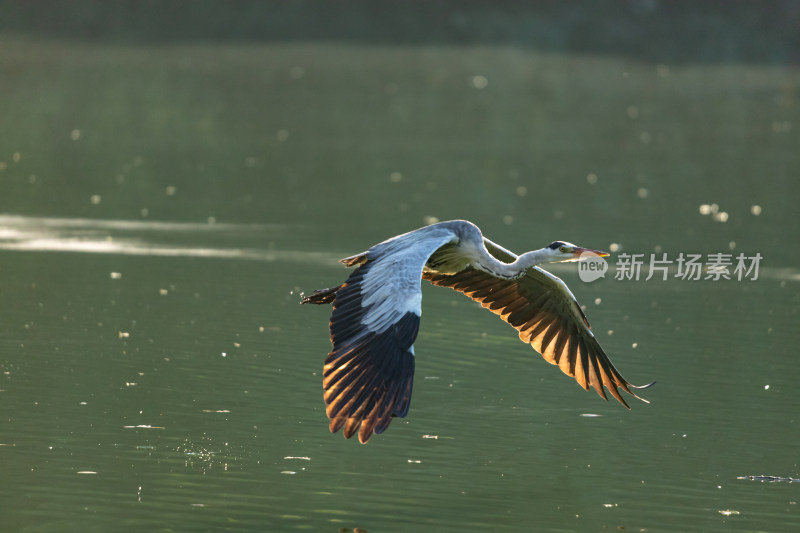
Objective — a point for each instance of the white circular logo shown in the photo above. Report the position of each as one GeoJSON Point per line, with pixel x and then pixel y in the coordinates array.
{"type": "Point", "coordinates": [591, 267]}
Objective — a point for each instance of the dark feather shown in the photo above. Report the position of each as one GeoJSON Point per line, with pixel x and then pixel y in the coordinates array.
{"type": "Point", "coordinates": [547, 317]}
{"type": "Point", "coordinates": [367, 376]}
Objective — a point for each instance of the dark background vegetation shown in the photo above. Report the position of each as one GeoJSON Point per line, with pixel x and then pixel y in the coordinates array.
{"type": "Point", "coordinates": [667, 31]}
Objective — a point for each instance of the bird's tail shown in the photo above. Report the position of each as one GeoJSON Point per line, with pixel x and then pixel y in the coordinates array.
{"type": "Point", "coordinates": [321, 296]}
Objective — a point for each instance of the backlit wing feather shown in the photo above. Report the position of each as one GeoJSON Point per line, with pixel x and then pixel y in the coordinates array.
{"type": "Point", "coordinates": [369, 373]}
{"type": "Point", "coordinates": [547, 316]}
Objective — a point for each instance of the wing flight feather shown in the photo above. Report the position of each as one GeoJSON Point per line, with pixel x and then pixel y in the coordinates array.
{"type": "Point", "coordinates": [545, 313]}
{"type": "Point", "coordinates": [369, 373]}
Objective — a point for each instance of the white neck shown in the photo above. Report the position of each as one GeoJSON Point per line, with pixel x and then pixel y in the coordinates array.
{"type": "Point", "coordinates": [516, 269]}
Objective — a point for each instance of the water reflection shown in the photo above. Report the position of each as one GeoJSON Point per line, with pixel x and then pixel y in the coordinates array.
{"type": "Point", "coordinates": [127, 237]}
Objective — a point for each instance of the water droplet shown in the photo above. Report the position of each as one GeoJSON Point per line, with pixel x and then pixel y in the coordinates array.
{"type": "Point", "coordinates": [480, 82]}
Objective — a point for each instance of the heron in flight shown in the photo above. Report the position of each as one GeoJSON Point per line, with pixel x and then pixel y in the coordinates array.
{"type": "Point", "coordinates": [368, 375]}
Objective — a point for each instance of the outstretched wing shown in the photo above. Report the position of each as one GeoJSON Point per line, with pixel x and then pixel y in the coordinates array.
{"type": "Point", "coordinates": [369, 373]}
{"type": "Point", "coordinates": [541, 307]}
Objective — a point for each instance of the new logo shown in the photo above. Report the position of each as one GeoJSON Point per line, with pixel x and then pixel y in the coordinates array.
{"type": "Point", "coordinates": [591, 267]}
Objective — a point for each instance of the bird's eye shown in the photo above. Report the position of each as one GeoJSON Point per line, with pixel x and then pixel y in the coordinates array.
{"type": "Point", "coordinates": [563, 249]}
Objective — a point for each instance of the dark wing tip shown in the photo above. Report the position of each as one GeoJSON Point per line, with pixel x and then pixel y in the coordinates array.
{"type": "Point", "coordinates": [368, 378]}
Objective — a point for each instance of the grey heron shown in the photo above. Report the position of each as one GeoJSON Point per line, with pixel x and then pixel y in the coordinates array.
{"type": "Point", "coordinates": [368, 374]}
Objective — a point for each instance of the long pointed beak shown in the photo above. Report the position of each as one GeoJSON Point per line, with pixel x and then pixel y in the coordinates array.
{"type": "Point", "coordinates": [578, 251]}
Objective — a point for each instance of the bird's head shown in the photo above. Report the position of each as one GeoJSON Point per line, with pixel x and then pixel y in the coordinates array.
{"type": "Point", "coordinates": [561, 251]}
